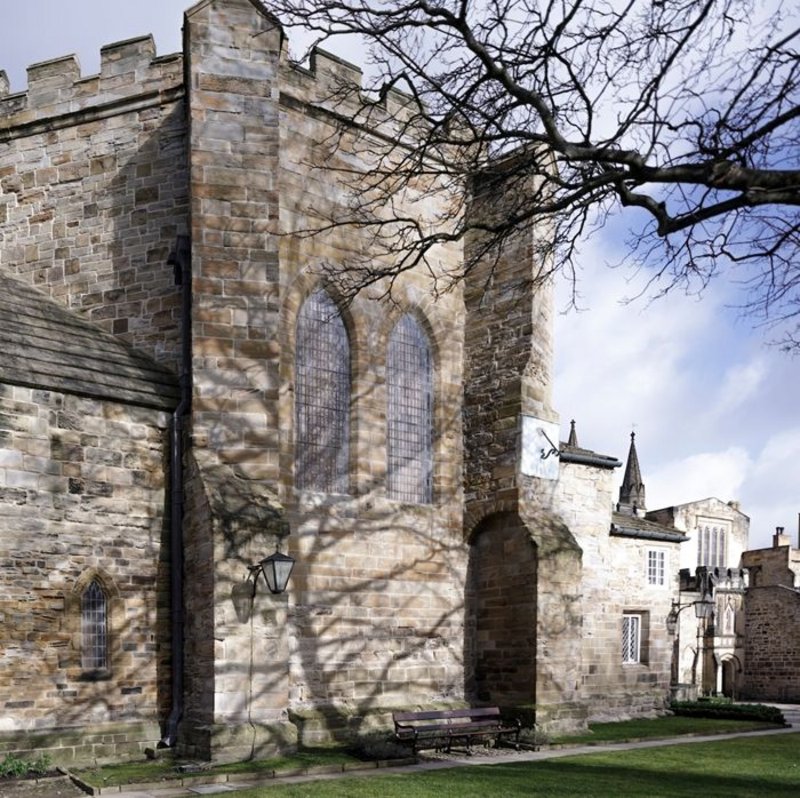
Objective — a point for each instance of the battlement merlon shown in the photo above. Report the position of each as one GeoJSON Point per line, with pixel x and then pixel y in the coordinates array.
{"type": "Point", "coordinates": [334, 83]}
{"type": "Point", "coordinates": [56, 88]}
{"type": "Point", "coordinates": [131, 68]}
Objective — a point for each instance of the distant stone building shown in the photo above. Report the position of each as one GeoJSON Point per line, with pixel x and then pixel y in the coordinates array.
{"type": "Point", "coordinates": [710, 658]}
{"type": "Point", "coordinates": [630, 567]}
{"type": "Point", "coordinates": [182, 390]}
{"type": "Point", "coordinates": [772, 622]}
{"type": "Point", "coordinates": [717, 531]}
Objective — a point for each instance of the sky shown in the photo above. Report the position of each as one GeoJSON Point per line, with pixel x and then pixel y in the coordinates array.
{"type": "Point", "coordinates": [713, 405]}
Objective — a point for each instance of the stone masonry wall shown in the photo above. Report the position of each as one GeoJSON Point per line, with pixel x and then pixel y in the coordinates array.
{"type": "Point", "coordinates": [236, 677]}
{"type": "Point", "coordinates": [615, 581]}
{"type": "Point", "coordinates": [508, 372]}
{"type": "Point", "coordinates": [772, 623]}
{"type": "Point", "coordinates": [82, 488]}
{"type": "Point", "coordinates": [772, 645]}
{"type": "Point", "coordinates": [687, 517]}
{"type": "Point", "coordinates": [374, 615]}
{"type": "Point", "coordinates": [378, 601]}
{"type": "Point", "coordinates": [377, 604]}
{"type": "Point", "coordinates": [93, 189]}
{"type": "Point", "coordinates": [501, 613]}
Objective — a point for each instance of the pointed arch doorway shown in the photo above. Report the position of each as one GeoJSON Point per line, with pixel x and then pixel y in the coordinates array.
{"type": "Point", "coordinates": [500, 639]}
{"type": "Point", "coordinates": [730, 671]}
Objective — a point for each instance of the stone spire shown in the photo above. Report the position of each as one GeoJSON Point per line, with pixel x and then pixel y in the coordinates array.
{"type": "Point", "coordinates": [631, 492]}
{"type": "Point", "coordinates": [573, 436]}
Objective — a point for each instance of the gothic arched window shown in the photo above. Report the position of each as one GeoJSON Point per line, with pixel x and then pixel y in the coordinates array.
{"type": "Point", "coordinates": [712, 545]}
{"type": "Point", "coordinates": [94, 628]}
{"type": "Point", "coordinates": [322, 397]}
{"type": "Point", "coordinates": [409, 413]}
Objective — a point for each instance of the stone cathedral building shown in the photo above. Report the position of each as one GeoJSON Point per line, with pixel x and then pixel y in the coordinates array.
{"type": "Point", "coordinates": [182, 391]}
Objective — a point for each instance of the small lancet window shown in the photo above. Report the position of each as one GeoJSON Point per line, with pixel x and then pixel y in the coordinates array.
{"type": "Point", "coordinates": [409, 385]}
{"type": "Point", "coordinates": [322, 397]}
{"type": "Point", "coordinates": [94, 628]}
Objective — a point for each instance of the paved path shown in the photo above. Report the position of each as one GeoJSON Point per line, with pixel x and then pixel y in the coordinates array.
{"type": "Point", "coordinates": [791, 713]}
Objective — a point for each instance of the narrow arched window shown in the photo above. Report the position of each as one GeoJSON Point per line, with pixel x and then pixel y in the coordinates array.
{"type": "Point", "coordinates": [94, 628]}
{"type": "Point", "coordinates": [409, 413]}
{"type": "Point", "coordinates": [322, 397]}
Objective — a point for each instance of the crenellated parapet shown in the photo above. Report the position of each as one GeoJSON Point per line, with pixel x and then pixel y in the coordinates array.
{"type": "Point", "coordinates": [333, 84]}
{"type": "Point", "coordinates": [129, 70]}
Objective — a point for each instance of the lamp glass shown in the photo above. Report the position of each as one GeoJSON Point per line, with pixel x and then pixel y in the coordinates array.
{"type": "Point", "coordinates": [277, 569]}
{"type": "Point", "coordinates": [705, 607]}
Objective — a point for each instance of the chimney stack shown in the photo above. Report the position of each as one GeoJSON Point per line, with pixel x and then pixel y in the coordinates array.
{"type": "Point", "coordinates": [779, 539]}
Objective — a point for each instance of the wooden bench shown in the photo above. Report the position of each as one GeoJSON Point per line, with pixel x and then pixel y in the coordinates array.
{"type": "Point", "coordinates": [440, 729]}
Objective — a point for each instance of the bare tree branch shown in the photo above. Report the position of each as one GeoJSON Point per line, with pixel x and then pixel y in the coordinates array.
{"type": "Point", "coordinates": [685, 111]}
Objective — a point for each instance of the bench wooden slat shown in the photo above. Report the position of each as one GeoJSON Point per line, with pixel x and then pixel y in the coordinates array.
{"type": "Point", "coordinates": [433, 728]}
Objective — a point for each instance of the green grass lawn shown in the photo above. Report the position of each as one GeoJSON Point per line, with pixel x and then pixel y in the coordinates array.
{"type": "Point", "coordinates": [667, 726]}
{"type": "Point", "coordinates": [755, 766]}
{"type": "Point", "coordinates": [164, 769]}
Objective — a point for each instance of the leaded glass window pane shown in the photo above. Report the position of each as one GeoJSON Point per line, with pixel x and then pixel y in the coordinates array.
{"type": "Point", "coordinates": [322, 397]}
{"type": "Point", "coordinates": [631, 638]}
{"type": "Point", "coordinates": [94, 629]}
{"type": "Point", "coordinates": [409, 385]}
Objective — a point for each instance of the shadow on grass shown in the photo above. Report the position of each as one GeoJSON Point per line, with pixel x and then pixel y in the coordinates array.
{"type": "Point", "coordinates": [732, 768]}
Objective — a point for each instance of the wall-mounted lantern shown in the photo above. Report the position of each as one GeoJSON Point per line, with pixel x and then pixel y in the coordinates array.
{"type": "Point", "coordinates": [703, 608]}
{"type": "Point", "coordinates": [277, 568]}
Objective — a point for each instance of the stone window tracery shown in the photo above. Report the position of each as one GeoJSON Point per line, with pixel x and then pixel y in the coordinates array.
{"type": "Point", "coordinates": [712, 540]}
{"type": "Point", "coordinates": [322, 397]}
{"type": "Point", "coordinates": [409, 413]}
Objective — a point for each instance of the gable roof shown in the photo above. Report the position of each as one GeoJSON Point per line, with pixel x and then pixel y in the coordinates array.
{"type": "Point", "coordinates": [45, 346]}
{"type": "Point", "coordinates": [626, 525]}
{"type": "Point", "coordinates": [573, 452]}
{"type": "Point", "coordinates": [729, 506]}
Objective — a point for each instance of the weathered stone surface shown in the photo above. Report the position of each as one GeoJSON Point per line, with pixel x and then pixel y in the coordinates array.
{"type": "Point", "coordinates": [91, 204]}
{"type": "Point", "coordinates": [772, 622]}
{"type": "Point", "coordinates": [505, 587]}
{"type": "Point", "coordinates": [69, 514]}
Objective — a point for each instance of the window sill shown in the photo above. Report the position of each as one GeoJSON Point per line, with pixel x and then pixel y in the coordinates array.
{"type": "Point", "coordinates": [95, 676]}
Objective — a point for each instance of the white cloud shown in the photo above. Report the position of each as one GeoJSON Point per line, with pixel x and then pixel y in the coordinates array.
{"type": "Point", "coordinates": [714, 408]}
{"type": "Point", "coordinates": [719, 474]}
{"type": "Point", "coordinates": [624, 364]}
{"type": "Point", "coordinates": [781, 455]}
{"type": "Point", "coordinates": [742, 383]}
{"type": "Point", "coordinates": [772, 492]}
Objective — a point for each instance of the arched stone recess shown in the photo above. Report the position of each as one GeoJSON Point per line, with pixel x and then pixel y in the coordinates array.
{"type": "Point", "coordinates": [730, 675]}
{"type": "Point", "coordinates": [306, 283]}
{"type": "Point", "coordinates": [557, 599]}
{"type": "Point", "coordinates": [500, 638]}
